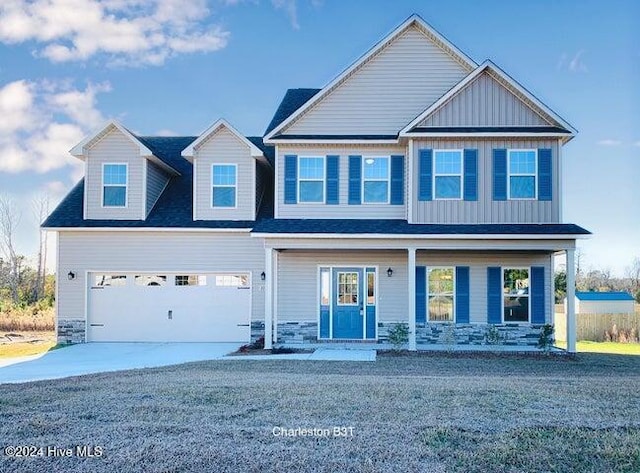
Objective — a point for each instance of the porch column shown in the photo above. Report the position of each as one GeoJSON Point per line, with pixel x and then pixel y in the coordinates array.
{"type": "Point", "coordinates": [268, 298]}
{"type": "Point", "coordinates": [571, 301]}
{"type": "Point", "coordinates": [411, 268]}
{"type": "Point", "coordinates": [274, 290]}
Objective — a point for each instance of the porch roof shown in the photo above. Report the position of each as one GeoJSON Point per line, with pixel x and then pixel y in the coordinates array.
{"type": "Point", "coordinates": [321, 227]}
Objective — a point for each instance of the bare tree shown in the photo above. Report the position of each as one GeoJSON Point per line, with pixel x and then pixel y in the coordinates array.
{"type": "Point", "coordinates": [9, 220]}
{"type": "Point", "coordinates": [41, 210]}
{"type": "Point", "coordinates": [633, 273]}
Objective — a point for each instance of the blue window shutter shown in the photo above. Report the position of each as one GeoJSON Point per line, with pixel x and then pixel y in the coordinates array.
{"type": "Point", "coordinates": [333, 175]}
{"type": "Point", "coordinates": [494, 295]}
{"type": "Point", "coordinates": [290, 179]}
{"type": "Point", "coordinates": [355, 180]}
{"type": "Point", "coordinates": [537, 295]}
{"type": "Point", "coordinates": [462, 294]}
{"type": "Point", "coordinates": [425, 164]}
{"type": "Point", "coordinates": [397, 180]}
{"type": "Point", "coordinates": [470, 174]}
{"type": "Point", "coordinates": [421, 294]}
{"type": "Point", "coordinates": [499, 174]}
{"type": "Point", "coordinates": [545, 181]}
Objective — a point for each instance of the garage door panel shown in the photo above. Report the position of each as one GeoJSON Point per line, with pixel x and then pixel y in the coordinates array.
{"type": "Point", "coordinates": [169, 307]}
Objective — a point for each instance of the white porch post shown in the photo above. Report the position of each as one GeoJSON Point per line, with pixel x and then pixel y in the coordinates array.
{"type": "Point", "coordinates": [274, 301]}
{"type": "Point", "coordinates": [268, 298]}
{"type": "Point", "coordinates": [411, 268]}
{"type": "Point", "coordinates": [571, 301]}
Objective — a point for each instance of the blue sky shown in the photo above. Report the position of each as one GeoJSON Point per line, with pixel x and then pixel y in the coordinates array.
{"type": "Point", "coordinates": [175, 66]}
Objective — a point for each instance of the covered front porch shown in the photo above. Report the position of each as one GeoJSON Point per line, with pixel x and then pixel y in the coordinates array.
{"type": "Point", "coordinates": [449, 292]}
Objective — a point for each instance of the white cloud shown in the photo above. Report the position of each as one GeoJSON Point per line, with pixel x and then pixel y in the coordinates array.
{"type": "Point", "coordinates": [609, 142]}
{"type": "Point", "coordinates": [573, 64]}
{"type": "Point", "coordinates": [41, 121]}
{"type": "Point", "coordinates": [128, 31]}
{"type": "Point", "coordinates": [290, 8]}
{"type": "Point", "coordinates": [165, 132]}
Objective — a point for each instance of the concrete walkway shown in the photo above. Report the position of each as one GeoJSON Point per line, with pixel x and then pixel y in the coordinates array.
{"type": "Point", "coordinates": [87, 358]}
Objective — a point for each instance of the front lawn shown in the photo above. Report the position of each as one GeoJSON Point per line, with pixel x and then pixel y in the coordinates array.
{"type": "Point", "coordinates": [19, 344]}
{"type": "Point", "coordinates": [613, 348]}
{"type": "Point", "coordinates": [430, 413]}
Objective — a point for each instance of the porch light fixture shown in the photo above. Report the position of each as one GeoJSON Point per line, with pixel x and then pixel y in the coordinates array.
{"type": "Point", "coordinates": [263, 276]}
{"type": "Point", "coordinates": [71, 275]}
{"type": "Point", "coordinates": [389, 272]}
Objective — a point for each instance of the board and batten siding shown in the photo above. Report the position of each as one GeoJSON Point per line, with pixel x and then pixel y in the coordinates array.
{"type": "Point", "coordinates": [485, 209]}
{"type": "Point", "coordinates": [168, 252]}
{"type": "Point", "coordinates": [156, 182]}
{"type": "Point", "coordinates": [114, 148]}
{"type": "Point", "coordinates": [298, 282]}
{"type": "Point", "coordinates": [484, 102]}
{"type": "Point", "coordinates": [223, 147]}
{"type": "Point", "coordinates": [343, 209]}
{"type": "Point", "coordinates": [478, 262]}
{"type": "Point", "coordinates": [387, 92]}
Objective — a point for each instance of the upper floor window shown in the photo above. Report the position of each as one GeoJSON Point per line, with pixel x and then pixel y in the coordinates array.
{"type": "Point", "coordinates": [114, 185]}
{"type": "Point", "coordinates": [375, 183]}
{"type": "Point", "coordinates": [223, 183]}
{"type": "Point", "coordinates": [311, 177]}
{"type": "Point", "coordinates": [515, 288]}
{"type": "Point", "coordinates": [522, 169]}
{"type": "Point", "coordinates": [447, 174]}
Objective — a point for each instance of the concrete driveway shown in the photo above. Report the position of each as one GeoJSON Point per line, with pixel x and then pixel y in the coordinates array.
{"type": "Point", "coordinates": [90, 358]}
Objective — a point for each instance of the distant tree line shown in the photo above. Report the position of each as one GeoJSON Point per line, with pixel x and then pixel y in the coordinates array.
{"type": "Point", "coordinates": [600, 280]}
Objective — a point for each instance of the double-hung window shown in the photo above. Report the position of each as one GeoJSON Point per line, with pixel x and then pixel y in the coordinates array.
{"type": "Point", "coordinates": [375, 188]}
{"type": "Point", "coordinates": [447, 176]}
{"type": "Point", "coordinates": [224, 184]}
{"type": "Point", "coordinates": [311, 176]}
{"type": "Point", "coordinates": [522, 166]}
{"type": "Point", "coordinates": [440, 294]}
{"type": "Point", "coordinates": [515, 288]}
{"type": "Point", "coordinates": [114, 185]}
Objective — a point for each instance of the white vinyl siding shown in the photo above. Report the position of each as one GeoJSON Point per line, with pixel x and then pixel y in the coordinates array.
{"type": "Point", "coordinates": [484, 102]}
{"type": "Point", "coordinates": [158, 253]}
{"type": "Point", "coordinates": [114, 148]}
{"type": "Point", "coordinates": [343, 209]}
{"type": "Point", "coordinates": [485, 209]}
{"type": "Point", "coordinates": [223, 147]}
{"type": "Point", "coordinates": [387, 91]}
{"type": "Point", "coordinates": [156, 182]}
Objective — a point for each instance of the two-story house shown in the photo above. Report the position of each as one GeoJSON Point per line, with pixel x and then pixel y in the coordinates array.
{"type": "Point", "coordinates": [416, 187]}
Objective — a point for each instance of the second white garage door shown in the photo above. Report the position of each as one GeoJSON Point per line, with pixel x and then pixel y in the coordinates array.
{"type": "Point", "coordinates": [163, 307]}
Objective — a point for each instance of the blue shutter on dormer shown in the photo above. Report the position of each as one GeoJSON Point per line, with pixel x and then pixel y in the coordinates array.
{"type": "Point", "coordinates": [494, 295]}
{"type": "Point", "coordinates": [333, 176]}
{"type": "Point", "coordinates": [290, 179]}
{"type": "Point", "coordinates": [397, 180]}
{"type": "Point", "coordinates": [425, 164]}
{"type": "Point", "coordinates": [470, 174]}
{"type": "Point", "coordinates": [421, 294]}
{"type": "Point", "coordinates": [545, 181]}
{"type": "Point", "coordinates": [462, 294]}
{"type": "Point", "coordinates": [499, 174]}
{"type": "Point", "coordinates": [537, 295]}
{"type": "Point", "coordinates": [355, 180]}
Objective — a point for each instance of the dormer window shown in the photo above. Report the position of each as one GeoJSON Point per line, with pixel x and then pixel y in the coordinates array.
{"type": "Point", "coordinates": [114, 185]}
{"type": "Point", "coordinates": [223, 185]}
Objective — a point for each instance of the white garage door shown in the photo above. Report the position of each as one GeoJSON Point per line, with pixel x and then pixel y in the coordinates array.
{"type": "Point", "coordinates": [163, 307]}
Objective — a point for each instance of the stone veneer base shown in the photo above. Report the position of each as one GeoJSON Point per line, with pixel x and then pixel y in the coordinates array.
{"type": "Point", "coordinates": [71, 331]}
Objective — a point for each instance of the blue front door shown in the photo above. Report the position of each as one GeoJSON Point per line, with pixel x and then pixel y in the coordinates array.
{"type": "Point", "coordinates": [348, 303]}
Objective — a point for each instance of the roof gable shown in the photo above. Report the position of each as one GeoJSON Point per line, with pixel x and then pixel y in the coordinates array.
{"type": "Point", "coordinates": [382, 90]}
{"type": "Point", "coordinates": [218, 126]}
{"type": "Point", "coordinates": [80, 150]}
{"type": "Point", "coordinates": [502, 103]}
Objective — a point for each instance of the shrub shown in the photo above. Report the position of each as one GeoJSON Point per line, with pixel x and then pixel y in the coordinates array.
{"type": "Point", "coordinates": [545, 341]}
{"type": "Point", "coordinates": [399, 335]}
{"type": "Point", "coordinates": [623, 335]}
{"type": "Point", "coordinates": [492, 336]}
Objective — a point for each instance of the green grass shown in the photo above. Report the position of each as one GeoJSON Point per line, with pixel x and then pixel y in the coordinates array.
{"type": "Point", "coordinates": [605, 347]}
{"type": "Point", "coordinates": [428, 412]}
{"type": "Point", "coordinates": [19, 349]}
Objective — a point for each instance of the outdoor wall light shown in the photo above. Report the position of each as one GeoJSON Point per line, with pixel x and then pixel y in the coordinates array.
{"type": "Point", "coordinates": [71, 275]}
{"type": "Point", "coordinates": [389, 272]}
{"type": "Point", "coordinates": [263, 276]}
